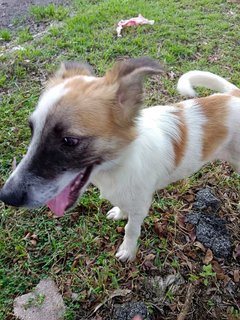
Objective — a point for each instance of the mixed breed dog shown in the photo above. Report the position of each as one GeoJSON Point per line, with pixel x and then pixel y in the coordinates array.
{"type": "Point", "coordinates": [88, 129]}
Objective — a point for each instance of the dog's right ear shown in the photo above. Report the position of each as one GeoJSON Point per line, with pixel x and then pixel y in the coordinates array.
{"type": "Point", "coordinates": [70, 69]}
{"type": "Point", "coordinates": [127, 77]}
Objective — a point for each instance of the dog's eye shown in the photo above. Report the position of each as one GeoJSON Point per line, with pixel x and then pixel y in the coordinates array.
{"type": "Point", "coordinates": [70, 142]}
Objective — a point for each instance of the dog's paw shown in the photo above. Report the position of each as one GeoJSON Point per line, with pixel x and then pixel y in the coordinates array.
{"type": "Point", "coordinates": [116, 214]}
{"type": "Point", "coordinates": [126, 253]}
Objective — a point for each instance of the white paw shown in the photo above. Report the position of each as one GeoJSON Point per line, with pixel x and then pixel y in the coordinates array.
{"type": "Point", "coordinates": [126, 253]}
{"type": "Point", "coordinates": [116, 214]}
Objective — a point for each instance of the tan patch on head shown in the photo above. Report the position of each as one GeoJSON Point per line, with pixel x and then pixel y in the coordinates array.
{"type": "Point", "coordinates": [105, 107]}
{"type": "Point", "coordinates": [69, 70]}
{"type": "Point", "coordinates": [215, 131]}
{"type": "Point", "coordinates": [235, 93]}
{"type": "Point", "coordinates": [180, 145]}
{"type": "Point", "coordinates": [88, 108]}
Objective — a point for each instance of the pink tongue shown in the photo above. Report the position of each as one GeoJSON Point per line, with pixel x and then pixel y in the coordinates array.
{"type": "Point", "coordinates": [59, 204]}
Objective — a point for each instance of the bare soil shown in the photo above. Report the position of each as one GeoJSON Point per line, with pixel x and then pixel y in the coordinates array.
{"type": "Point", "coordinates": [11, 10]}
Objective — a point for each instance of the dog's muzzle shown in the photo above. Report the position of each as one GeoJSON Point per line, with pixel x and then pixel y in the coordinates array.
{"type": "Point", "coordinates": [13, 194]}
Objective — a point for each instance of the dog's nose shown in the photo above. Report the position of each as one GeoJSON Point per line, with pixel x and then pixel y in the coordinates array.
{"type": "Point", "coordinates": [13, 193]}
{"type": "Point", "coordinates": [15, 199]}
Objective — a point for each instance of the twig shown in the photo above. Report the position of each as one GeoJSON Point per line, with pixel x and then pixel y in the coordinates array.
{"type": "Point", "coordinates": [182, 315]}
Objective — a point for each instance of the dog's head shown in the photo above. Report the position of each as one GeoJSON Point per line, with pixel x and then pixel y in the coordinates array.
{"type": "Point", "coordinates": [81, 122]}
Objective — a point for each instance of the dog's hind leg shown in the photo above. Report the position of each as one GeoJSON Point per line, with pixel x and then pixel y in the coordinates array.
{"type": "Point", "coordinates": [116, 214]}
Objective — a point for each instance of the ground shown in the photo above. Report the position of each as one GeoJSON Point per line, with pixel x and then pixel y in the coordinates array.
{"type": "Point", "coordinates": [77, 251]}
{"type": "Point", "coordinates": [11, 10]}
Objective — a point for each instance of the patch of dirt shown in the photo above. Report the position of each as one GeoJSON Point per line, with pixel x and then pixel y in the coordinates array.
{"type": "Point", "coordinates": [11, 9]}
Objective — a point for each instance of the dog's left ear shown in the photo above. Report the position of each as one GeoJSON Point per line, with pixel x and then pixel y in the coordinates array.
{"type": "Point", "coordinates": [70, 69]}
{"type": "Point", "coordinates": [127, 76]}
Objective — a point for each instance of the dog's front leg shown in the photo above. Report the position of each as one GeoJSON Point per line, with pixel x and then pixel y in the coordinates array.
{"type": "Point", "coordinates": [128, 249]}
{"type": "Point", "coordinates": [116, 214]}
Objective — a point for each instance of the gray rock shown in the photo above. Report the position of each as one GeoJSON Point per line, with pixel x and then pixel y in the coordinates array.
{"type": "Point", "coordinates": [193, 218]}
{"type": "Point", "coordinates": [222, 246]}
{"type": "Point", "coordinates": [206, 200]}
{"type": "Point", "coordinates": [128, 310]}
{"type": "Point", "coordinates": [211, 230]}
{"type": "Point", "coordinates": [44, 302]}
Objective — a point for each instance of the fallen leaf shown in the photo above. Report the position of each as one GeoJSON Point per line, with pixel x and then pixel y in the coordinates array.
{"type": "Point", "coordinates": [148, 265]}
{"type": "Point", "coordinates": [192, 234]}
{"type": "Point", "coordinates": [115, 293]}
{"type": "Point", "coordinates": [150, 257]}
{"type": "Point", "coordinates": [181, 220]}
{"type": "Point", "coordinates": [218, 269]}
{"type": "Point", "coordinates": [208, 256]}
{"type": "Point", "coordinates": [14, 164]}
{"type": "Point", "coordinates": [226, 280]}
{"type": "Point", "coordinates": [120, 230]}
{"type": "Point", "coordinates": [161, 229]}
{"type": "Point", "coordinates": [27, 236]}
{"type": "Point", "coordinates": [33, 242]}
{"type": "Point", "coordinates": [189, 197]}
{"type": "Point", "coordinates": [199, 245]}
{"type": "Point", "coordinates": [236, 253]}
{"type": "Point", "coordinates": [96, 318]}
{"type": "Point", "coordinates": [236, 275]}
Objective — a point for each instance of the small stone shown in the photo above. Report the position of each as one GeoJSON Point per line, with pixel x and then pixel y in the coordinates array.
{"type": "Point", "coordinates": [211, 231]}
{"type": "Point", "coordinates": [205, 200]}
{"type": "Point", "coordinates": [44, 301]}
{"type": "Point", "coordinates": [128, 310]}
{"type": "Point", "coordinates": [193, 218]}
{"type": "Point", "coordinates": [222, 246]}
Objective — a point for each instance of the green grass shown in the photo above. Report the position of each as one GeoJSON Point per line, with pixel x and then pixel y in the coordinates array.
{"type": "Point", "coordinates": [24, 36]}
{"type": "Point", "coordinates": [5, 35]}
{"type": "Point", "coordinates": [78, 250]}
{"type": "Point", "coordinates": [49, 12]}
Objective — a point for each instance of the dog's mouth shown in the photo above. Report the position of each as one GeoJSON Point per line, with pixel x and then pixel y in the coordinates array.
{"type": "Point", "coordinates": [69, 195]}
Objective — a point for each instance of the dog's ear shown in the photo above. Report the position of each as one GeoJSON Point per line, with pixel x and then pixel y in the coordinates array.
{"type": "Point", "coordinates": [70, 69]}
{"type": "Point", "coordinates": [129, 75]}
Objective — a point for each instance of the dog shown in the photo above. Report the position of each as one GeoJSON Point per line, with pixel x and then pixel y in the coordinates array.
{"type": "Point", "coordinates": [92, 129]}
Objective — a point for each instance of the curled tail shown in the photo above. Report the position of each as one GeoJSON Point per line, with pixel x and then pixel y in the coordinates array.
{"type": "Point", "coordinates": [209, 80]}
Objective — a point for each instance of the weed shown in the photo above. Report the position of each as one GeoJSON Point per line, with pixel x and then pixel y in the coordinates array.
{"type": "Point", "coordinates": [170, 295]}
{"type": "Point", "coordinates": [35, 301]}
{"type": "Point", "coordinates": [48, 12]}
{"type": "Point", "coordinates": [235, 311]}
{"type": "Point", "coordinates": [24, 36]}
{"type": "Point", "coordinates": [207, 273]}
{"type": "Point", "coordinates": [5, 35]}
{"type": "Point", "coordinates": [193, 277]}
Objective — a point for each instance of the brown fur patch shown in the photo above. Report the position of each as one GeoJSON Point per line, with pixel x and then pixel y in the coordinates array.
{"type": "Point", "coordinates": [235, 93]}
{"type": "Point", "coordinates": [103, 108]}
{"type": "Point", "coordinates": [180, 145]}
{"type": "Point", "coordinates": [92, 107]}
{"type": "Point", "coordinates": [215, 130]}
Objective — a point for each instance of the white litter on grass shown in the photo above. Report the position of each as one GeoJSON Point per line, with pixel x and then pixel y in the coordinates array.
{"type": "Point", "coordinates": [44, 303]}
{"type": "Point", "coordinates": [140, 20]}
{"type": "Point", "coordinates": [17, 48]}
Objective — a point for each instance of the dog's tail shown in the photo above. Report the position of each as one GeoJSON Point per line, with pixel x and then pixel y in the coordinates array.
{"type": "Point", "coordinates": [209, 80]}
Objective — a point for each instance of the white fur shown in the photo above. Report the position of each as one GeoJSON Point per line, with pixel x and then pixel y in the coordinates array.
{"type": "Point", "coordinates": [46, 104]}
{"type": "Point", "coordinates": [48, 99]}
{"type": "Point", "coordinates": [202, 78]}
{"type": "Point", "coordinates": [148, 164]}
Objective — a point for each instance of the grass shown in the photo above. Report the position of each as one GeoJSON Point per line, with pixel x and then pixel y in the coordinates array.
{"type": "Point", "coordinates": [49, 12]}
{"type": "Point", "coordinates": [5, 35]}
{"type": "Point", "coordinates": [78, 250]}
